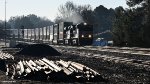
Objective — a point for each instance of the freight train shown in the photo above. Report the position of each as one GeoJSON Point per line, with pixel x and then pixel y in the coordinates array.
{"type": "Point", "coordinates": [64, 33]}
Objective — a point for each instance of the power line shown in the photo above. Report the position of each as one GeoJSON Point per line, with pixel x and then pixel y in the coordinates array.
{"type": "Point", "coordinates": [5, 23]}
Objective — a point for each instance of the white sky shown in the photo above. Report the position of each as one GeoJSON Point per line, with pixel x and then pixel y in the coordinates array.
{"type": "Point", "coordinates": [48, 8]}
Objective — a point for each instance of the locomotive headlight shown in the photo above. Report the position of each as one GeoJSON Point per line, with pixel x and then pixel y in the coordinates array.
{"type": "Point", "coordinates": [85, 23]}
{"type": "Point", "coordinates": [82, 36]}
{"type": "Point", "coordinates": [90, 36]}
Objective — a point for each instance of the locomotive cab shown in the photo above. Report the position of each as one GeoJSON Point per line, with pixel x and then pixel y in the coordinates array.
{"type": "Point", "coordinates": [63, 28]}
{"type": "Point", "coordinates": [83, 34]}
{"type": "Point", "coordinates": [75, 36]}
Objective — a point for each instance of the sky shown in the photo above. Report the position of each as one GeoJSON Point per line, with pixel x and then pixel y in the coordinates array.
{"type": "Point", "coordinates": [48, 8]}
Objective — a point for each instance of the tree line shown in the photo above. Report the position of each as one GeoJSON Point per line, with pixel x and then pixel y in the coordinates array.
{"type": "Point", "coordinates": [131, 26]}
{"type": "Point", "coordinates": [27, 22]}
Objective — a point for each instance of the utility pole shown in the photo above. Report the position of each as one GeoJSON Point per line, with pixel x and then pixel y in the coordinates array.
{"type": "Point", "coordinates": [5, 24]}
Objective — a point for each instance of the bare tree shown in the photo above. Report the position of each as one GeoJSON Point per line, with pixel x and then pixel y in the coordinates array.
{"type": "Point", "coordinates": [66, 10]}
{"type": "Point", "coordinates": [72, 12]}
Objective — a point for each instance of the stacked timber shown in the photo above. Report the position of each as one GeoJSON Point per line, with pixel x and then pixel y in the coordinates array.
{"type": "Point", "coordinates": [55, 71]}
{"type": "Point", "coordinates": [5, 56]}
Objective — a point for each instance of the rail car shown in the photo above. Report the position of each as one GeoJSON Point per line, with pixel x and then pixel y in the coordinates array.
{"type": "Point", "coordinates": [80, 34]}
{"type": "Point", "coordinates": [64, 33]}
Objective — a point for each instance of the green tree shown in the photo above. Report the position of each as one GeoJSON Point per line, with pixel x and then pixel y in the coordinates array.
{"type": "Point", "coordinates": [142, 11]}
{"type": "Point", "coordinates": [29, 21]}
{"type": "Point", "coordinates": [131, 26]}
{"type": "Point", "coordinates": [118, 34]}
{"type": "Point", "coordinates": [103, 20]}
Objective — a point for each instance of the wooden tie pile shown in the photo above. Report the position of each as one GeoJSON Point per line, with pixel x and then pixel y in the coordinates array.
{"type": "Point", "coordinates": [55, 71]}
{"type": "Point", "coordinates": [5, 56]}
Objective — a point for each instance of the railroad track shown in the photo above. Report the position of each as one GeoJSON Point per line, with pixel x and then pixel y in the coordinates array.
{"type": "Point", "coordinates": [126, 50]}
{"type": "Point", "coordinates": [129, 56]}
{"type": "Point", "coordinates": [144, 52]}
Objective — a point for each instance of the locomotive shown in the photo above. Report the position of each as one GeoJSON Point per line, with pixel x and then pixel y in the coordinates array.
{"type": "Point", "coordinates": [64, 33]}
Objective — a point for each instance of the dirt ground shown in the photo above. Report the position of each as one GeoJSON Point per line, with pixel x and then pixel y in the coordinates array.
{"type": "Point", "coordinates": [116, 73]}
